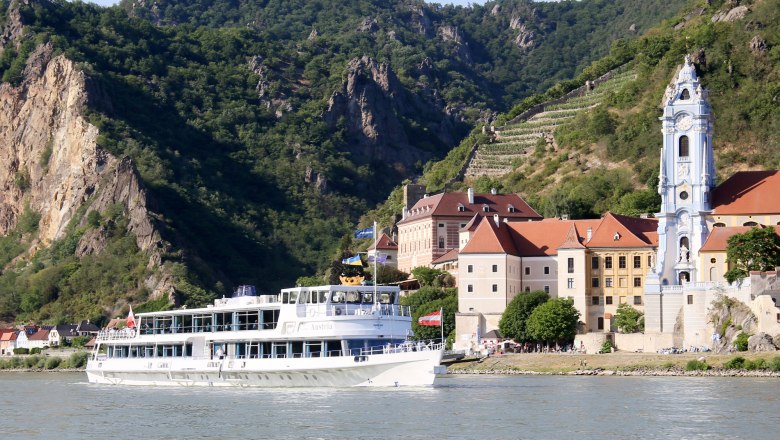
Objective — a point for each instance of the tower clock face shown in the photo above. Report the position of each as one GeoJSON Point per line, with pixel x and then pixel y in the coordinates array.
{"type": "Point", "coordinates": [683, 122]}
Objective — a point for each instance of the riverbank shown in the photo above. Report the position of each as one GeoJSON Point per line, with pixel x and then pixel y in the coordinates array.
{"type": "Point", "coordinates": [616, 364]}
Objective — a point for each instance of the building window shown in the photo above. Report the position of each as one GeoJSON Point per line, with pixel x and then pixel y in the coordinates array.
{"type": "Point", "coordinates": [485, 208]}
{"type": "Point", "coordinates": [637, 300]}
{"type": "Point", "coordinates": [608, 282]}
{"type": "Point", "coordinates": [594, 263]}
{"type": "Point", "coordinates": [683, 146]}
{"type": "Point", "coordinates": [547, 270]}
{"type": "Point", "coordinates": [649, 261]}
{"type": "Point", "coordinates": [462, 225]}
{"type": "Point", "coordinates": [570, 283]}
{"type": "Point", "coordinates": [594, 282]}
{"type": "Point", "coordinates": [546, 289]}
{"type": "Point", "coordinates": [684, 195]}
{"type": "Point", "coordinates": [600, 322]}
{"type": "Point", "coordinates": [607, 300]}
{"type": "Point", "coordinates": [713, 261]}
{"type": "Point", "coordinates": [637, 262]}
{"type": "Point", "coordinates": [527, 289]}
{"type": "Point", "coordinates": [441, 242]}
{"type": "Point", "coordinates": [441, 225]}
{"type": "Point", "coordinates": [622, 262]}
{"type": "Point", "coordinates": [685, 95]}
{"type": "Point", "coordinates": [690, 299]}
{"type": "Point", "coordinates": [571, 265]}
{"type": "Point", "coordinates": [495, 268]}
{"type": "Point", "coordinates": [495, 287]}
{"type": "Point", "coordinates": [461, 208]}
{"type": "Point", "coordinates": [470, 268]}
{"type": "Point", "coordinates": [528, 270]}
{"type": "Point", "coordinates": [594, 300]}
{"type": "Point", "coordinates": [622, 282]}
{"type": "Point", "coordinates": [719, 225]}
{"type": "Point", "coordinates": [469, 288]}
{"type": "Point", "coordinates": [637, 282]}
{"type": "Point", "coordinates": [750, 224]}
{"type": "Point", "coordinates": [607, 262]}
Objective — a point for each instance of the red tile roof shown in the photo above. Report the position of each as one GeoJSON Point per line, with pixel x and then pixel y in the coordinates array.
{"type": "Point", "coordinates": [449, 205]}
{"type": "Point", "coordinates": [384, 243]}
{"type": "Point", "coordinates": [748, 192]}
{"type": "Point", "coordinates": [40, 335]}
{"type": "Point", "coordinates": [718, 239]}
{"type": "Point", "coordinates": [547, 236]}
{"type": "Point", "coordinates": [9, 336]}
{"type": "Point", "coordinates": [451, 255]}
{"type": "Point", "coordinates": [622, 231]}
{"type": "Point", "coordinates": [490, 238]}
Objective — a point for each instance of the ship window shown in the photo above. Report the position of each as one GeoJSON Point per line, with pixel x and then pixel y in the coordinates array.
{"type": "Point", "coordinates": [304, 297]}
{"type": "Point", "coordinates": [270, 319]}
{"type": "Point", "coordinates": [338, 297]}
{"type": "Point", "coordinates": [279, 349]}
{"type": "Point", "coordinates": [353, 297]}
{"type": "Point", "coordinates": [367, 297]}
{"type": "Point", "coordinates": [247, 320]}
{"type": "Point", "coordinates": [313, 348]}
{"type": "Point", "coordinates": [387, 298]}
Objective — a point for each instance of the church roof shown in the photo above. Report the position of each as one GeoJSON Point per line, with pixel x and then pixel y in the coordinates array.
{"type": "Point", "coordinates": [456, 204]}
{"type": "Point", "coordinates": [572, 240]}
{"type": "Point", "coordinates": [718, 239]}
{"type": "Point", "coordinates": [748, 192]}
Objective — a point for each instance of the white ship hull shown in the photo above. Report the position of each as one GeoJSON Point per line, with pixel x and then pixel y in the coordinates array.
{"type": "Point", "coordinates": [409, 368]}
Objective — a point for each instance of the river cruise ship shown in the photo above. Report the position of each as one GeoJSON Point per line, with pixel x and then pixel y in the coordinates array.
{"type": "Point", "coordinates": [335, 336]}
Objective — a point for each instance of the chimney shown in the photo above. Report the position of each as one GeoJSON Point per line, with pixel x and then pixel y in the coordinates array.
{"type": "Point", "coordinates": [564, 216]}
{"type": "Point", "coordinates": [590, 234]}
{"type": "Point", "coordinates": [496, 220]}
{"type": "Point", "coordinates": [644, 215]}
{"type": "Point", "coordinates": [471, 196]}
{"type": "Point", "coordinates": [493, 191]}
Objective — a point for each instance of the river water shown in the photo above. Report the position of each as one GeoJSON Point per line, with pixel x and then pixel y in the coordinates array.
{"type": "Point", "coordinates": [63, 406]}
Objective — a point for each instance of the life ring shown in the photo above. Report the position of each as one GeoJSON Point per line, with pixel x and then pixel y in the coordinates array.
{"type": "Point", "coordinates": [339, 312]}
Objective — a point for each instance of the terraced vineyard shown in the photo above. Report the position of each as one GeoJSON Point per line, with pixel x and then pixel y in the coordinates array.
{"type": "Point", "coordinates": [519, 137]}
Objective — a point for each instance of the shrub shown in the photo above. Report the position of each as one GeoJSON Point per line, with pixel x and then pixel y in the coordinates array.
{"type": "Point", "coordinates": [742, 341]}
{"type": "Point", "coordinates": [774, 364]}
{"type": "Point", "coordinates": [696, 365]}
{"type": "Point", "coordinates": [757, 364]}
{"type": "Point", "coordinates": [35, 350]}
{"type": "Point", "coordinates": [736, 363]}
{"type": "Point", "coordinates": [31, 361]}
{"type": "Point", "coordinates": [21, 351]}
{"type": "Point", "coordinates": [53, 362]}
{"type": "Point", "coordinates": [606, 347]}
{"type": "Point", "coordinates": [78, 359]}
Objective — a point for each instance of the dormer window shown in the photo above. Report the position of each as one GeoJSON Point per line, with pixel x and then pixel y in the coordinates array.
{"type": "Point", "coordinates": [461, 208]}
{"type": "Point", "coordinates": [511, 208]}
{"type": "Point", "coordinates": [485, 208]}
{"type": "Point", "coordinates": [616, 237]}
{"type": "Point", "coordinates": [685, 95]}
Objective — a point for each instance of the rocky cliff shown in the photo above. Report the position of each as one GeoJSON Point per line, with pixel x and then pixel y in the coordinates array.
{"type": "Point", "coordinates": [52, 164]}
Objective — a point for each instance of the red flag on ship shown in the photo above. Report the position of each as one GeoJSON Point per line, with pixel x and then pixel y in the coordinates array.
{"type": "Point", "coordinates": [131, 318]}
{"type": "Point", "coordinates": [431, 319]}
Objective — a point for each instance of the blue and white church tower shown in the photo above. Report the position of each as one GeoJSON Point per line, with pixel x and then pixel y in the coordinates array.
{"type": "Point", "coordinates": [686, 178]}
{"type": "Point", "coordinates": [685, 182]}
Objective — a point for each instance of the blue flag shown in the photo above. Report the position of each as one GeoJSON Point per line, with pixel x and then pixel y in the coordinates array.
{"type": "Point", "coordinates": [352, 261]}
{"type": "Point", "coordinates": [381, 258]}
{"type": "Point", "coordinates": [365, 233]}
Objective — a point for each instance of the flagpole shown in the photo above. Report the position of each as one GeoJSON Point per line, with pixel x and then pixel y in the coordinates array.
{"type": "Point", "coordinates": [376, 254]}
{"type": "Point", "coordinates": [441, 325]}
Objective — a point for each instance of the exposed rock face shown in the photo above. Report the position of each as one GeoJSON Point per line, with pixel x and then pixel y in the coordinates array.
{"type": "Point", "coordinates": [761, 342]}
{"type": "Point", "coordinates": [453, 35]}
{"type": "Point", "coordinates": [368, 25]}
{"type": "Point", "coordinates": [758, 45]}
{"type": "Point", "coordinates": [525, 38]}
{"type": "Point", "coordinates": [279, 103]}
{"type": "Point", "coordinates": [732, 317]}
{"type": "Point", "coordinates": [734, 14]}
{"type": "Point", "coordinates": [420, 20]}
{"type": "Point", "coordinates": [371, 103]}
{"type": "Point", "coordinates": [41, 118]}
{"type": "Point", "coordinates": [45, 138]}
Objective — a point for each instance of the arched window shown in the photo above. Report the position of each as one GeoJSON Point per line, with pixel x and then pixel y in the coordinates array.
{"type": "Point", "coordinates": [685, 95]}
{"type": "Point", "coordinates": [685, 277]}
{"type": "Point", "coordinates": [750, 224]}
{"type": "Point", "coordinates": [722, 225]}
{"type": "Point", "coordinates": [683, 150]}
{"type": "Point", "coordinates": [684, 242]}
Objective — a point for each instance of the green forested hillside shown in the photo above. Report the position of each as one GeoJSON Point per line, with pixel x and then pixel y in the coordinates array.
{"type": "Point", "coordinates": [607, 157]}
{"type": "Point", "coordinates": [228, 109]}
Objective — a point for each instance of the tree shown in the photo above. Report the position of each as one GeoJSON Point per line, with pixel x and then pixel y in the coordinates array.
{"type": "Point", "coordinates": [430, 299]}
{"type": "Point", "coordinates": [513, 321]}
{"type": "Point", "coordinates": [554, 321]}
{"type": "Point", "coordinates": [756, 249]}
{"type": "Point", "coordinates": [629, 319]}
{"type": "Point", "coordinates": [432, 277]}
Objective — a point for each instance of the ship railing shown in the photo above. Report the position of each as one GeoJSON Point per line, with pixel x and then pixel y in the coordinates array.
{"type": "Point", "coordinates": [365, 309]}
{"type": "Point", "coordinates": [116, 335]}
{"type": "Point", "coordinates": [403, 347]}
